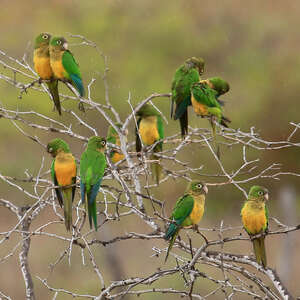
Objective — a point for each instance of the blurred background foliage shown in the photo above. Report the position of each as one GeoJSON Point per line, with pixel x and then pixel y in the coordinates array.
{"type": "Point", "coordinates": [253, 45]}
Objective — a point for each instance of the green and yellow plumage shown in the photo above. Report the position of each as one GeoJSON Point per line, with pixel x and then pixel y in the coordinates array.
{"type": "Point", "coordinates": [150, 130]}
{"type": "Point", "coordinates": [41, 61]}
{"type": "Point", "coordinates": [92, 168]}
{"type": "Point", "coordinates": [185, 76]}
{"type": "Point", "coordinates": [113, 138]}
{"type": "Point", "coordinates": [255, 220]}
{"type": "Point", "coordinates": [188, 211]}
{"type": "Point", "coordinates": [64, 65]}
{"type": "Point", "coordinates": [63, 173]}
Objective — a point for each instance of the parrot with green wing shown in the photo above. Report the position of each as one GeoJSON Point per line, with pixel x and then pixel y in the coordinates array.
{"type": "Point", "coordinates": [185, 76]}
{"type": "Point", "coordinates": [92, 168]}
{"type": "Point", "coordinates": [113, 138]}
{"type": "Point", "coordinates": [41, 61]}
{"type": "Point", "coordinates": [255, 220]}
{"type": "Point", "coordinates": [204, 102]}
{"type": "Point", "coordinates": [150, 129]}
{"type": "Point", "coordinates": [63, 173]}
{"type": "Point", "coordinates": [188, 211]}
{"type": "Point", "coordinates": [64, 65]}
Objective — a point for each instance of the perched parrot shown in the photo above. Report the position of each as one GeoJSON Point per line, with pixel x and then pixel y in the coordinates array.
{"type": "Point", "coordinates": [185, 76]}
{"type": "Point", "coordinates": [41, 60]}
{"type": "Point", "coordinates": [255, 220]}
{"type": "Point", "coordinates": [64, 65]}
{"type": "Point", "coordinates": [151, 130]}
{"type": "Point", "coordinates": [92, 167]}
{"type": "Point", "coordinates": [113, 138]}
{"type": "Point", "coordinates": [188, 211]}
{"type": "Point", "coordinates": [204, 102]}
{"type": "Point", "coordinates": [63, 172]}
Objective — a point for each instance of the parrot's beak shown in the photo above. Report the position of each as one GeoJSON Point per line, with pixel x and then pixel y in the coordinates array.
{"type": "Point", "coordinates": [65, 45]}
{"type": "Point", "coordinates": [205, 189]}
{"type": "Point", "coordinates": [266, 196]}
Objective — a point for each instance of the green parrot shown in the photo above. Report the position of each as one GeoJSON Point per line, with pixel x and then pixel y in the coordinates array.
{"type": "Point", "coordinates": [204, 102]}
{"type": "Point", "coordinates": [41, 61]}
{"type": "Point", "coordinates": [113, 138]}
{"type": "Point", "coordinates": [63, 173]}
{"type": "Point", "coordinates": [255, 220]}
{"type": "Point", "coordinates": [188, 211]}
{"type": "Point", "coordinates": [64, 65]}
{"type": "Point", "coordinates": [150, 130]}
{"type": "Point", "coordinates": [185, 76]}
{"type": "Point", "coordinates": [92, 168]}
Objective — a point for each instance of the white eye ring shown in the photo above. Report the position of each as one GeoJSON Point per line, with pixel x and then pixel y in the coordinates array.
{"type": "Point", "coordinates": [45, 36]}
{"type": "Point", "coordinates": [103, 143]}
{"type": "Point", "coordinates": [199, 185]}
{"type": "Point", "coordinates": [50, 149]}
{"type": "Point", "coordinates": [260, 193]}
{"type": "Point", "coordinates": [58, 42]}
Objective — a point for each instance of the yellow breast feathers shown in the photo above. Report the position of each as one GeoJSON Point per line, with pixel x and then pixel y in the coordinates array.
{"type": "Point", "coordinates": [198, 209]}
{"type": "Point", "coordinates": [65, 168]}
{"type": "Point", "coordinates": [42, 66]}
{"type": "Point", "coordinates": [148, 130]}
{"type": "Point", "coordinates": [199, 108]}
{"type": "Point", "coordinates": [254, 217]}
{"type": "Point", "coordinates": [58, 68]}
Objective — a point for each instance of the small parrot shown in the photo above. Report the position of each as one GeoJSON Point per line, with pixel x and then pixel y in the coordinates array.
{"type": "Point", "coordinates": [92, 168]}
{"type": "Point", "coordinates": [41, 60]}
{"type": "Point", "coordinates": [255, 220]}
{"type": "Point", "coordinates": [64, 65]}
{"type": "Point", "coordinates": [151, 130]}
{"type": "Point", "coordinates": [63, 173]}
{"type": "Point", "coordinates": [188, 211]}
{"type": "Point", "coordinates": [113, 138]}
{"type": "Point", "coordinates": [204, 102]}
{"type": "Point", "coordinates": [185, 76]}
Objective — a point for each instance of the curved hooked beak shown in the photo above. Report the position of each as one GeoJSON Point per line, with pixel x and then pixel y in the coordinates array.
{"type": "Point", "coordinates": [65, 45]}
{"type": "Point", "coordinates": [205, 189]}
{"type": "Point", "coordinates": [266, 196]}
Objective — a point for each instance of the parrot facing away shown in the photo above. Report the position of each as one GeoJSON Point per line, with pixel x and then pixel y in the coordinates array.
{"type": "Point", "coordinates": [41, 60]}
{"type": "Point", "coordinates": [64, 65]}
{"type": "Point", "coordinates": [188, 211]}
{"type": "Point", "coordinates": [185, 76]}
{"type": "Point", "coordinates": [92, 168]}
{"type": "Point", "coordinates": [255, 220]}
{"type": "Point", "coordinates": [204, 102]}
{"type": "Point", "coordinates": [113, 138]}
{"type": "Point", "coordinates": [63, 173]}
{"type": "Point", "coordinates": [150, 130]}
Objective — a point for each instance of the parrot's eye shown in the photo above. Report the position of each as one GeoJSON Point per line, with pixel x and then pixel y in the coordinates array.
{"type": "Point", "coordinates": [199, 185]}
{"type": "Point", "coordinates": [260, 193]}
{"type": "Point", "coordinates": [58, 42]}
{"type": "Point", "coordinates": [50, 149]}
{"type": "Point", "coordinates": [45, 36]}
{"type": "Point", "coordinates": [103, 143]}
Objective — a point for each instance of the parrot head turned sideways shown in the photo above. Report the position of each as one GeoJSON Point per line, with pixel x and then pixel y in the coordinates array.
{"type": "Point", "coordinates": [196, 63]}
{"type": "Point", "coordinates": [42, 40]}
{"type": "Point", "coordinates": [197, 188]}
{"type": "Point", "coordinates": [96, 143]}
{"type": "Point", "coordinates": [219, 85]}
{"type": "Point", "coordinates": [57, 145]}
{"type": "Point", "coordinates": [258, 193]}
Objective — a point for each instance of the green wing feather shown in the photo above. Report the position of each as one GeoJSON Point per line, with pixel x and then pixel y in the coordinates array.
{"type": "Point", "coordinates": [70, 64]}
{"type": "Point", "coordinates": [181, 212]}
{"type": "Point", "coordinates": [53, 88]}
{"type": "Point", "coordinates": [57, 190]}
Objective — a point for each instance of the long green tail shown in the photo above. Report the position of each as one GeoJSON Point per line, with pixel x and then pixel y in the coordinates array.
{"type": "Point", "coordinates": [53, 88]}
{"type": "Point", "coordinates": [173, 238]}
{"type": "Point", "coordinates": [260, 251]}
{"type": "Point", "coordinates": [156, 169]}
{"type": "Point", "coordinates": [68, 207]}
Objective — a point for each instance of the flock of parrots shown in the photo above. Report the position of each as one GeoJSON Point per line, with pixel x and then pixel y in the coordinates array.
{"type": "Point", "coordinates": [54, 62]}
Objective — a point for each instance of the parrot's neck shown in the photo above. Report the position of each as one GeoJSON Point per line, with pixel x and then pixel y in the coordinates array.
{"type": "Point", "coordinates": [42, 51]}
{"type": "Point", "coordinates": [256, 204]}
